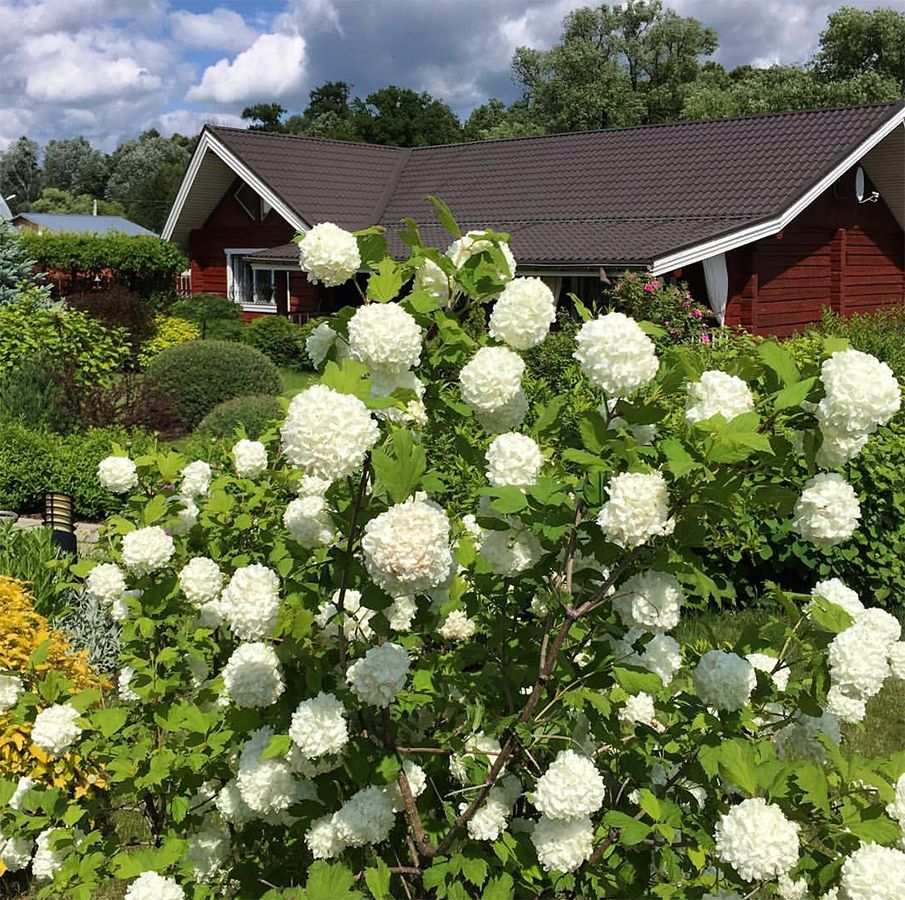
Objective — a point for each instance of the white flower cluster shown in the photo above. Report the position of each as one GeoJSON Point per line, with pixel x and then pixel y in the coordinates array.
{"type": "Point", "coordinates": [356, 618]}
{"type": "Point", "coordinates": [661, 655]}
{"type": "Point", "coordinates": [873, 872]}
{"type": "Point", "coordinates": [379, 675]}
{"type": "Point", "coordinates": [55, 729]}
{"type": "Point", "coordinates": [417, 782]}
{"type": "Point", "coordinates": [117, 474]}
{"type": "Point", "coordinates": [513, 459]}
{"type": "Point", "coordinates": [570, 788]}
{"type": "Point", "coordinates": [367, 817]}
{"type": "Point", "coordinates": [47, 861]}
{"type": "Point", "coordinates": [252, 676]}
{"type": "Point", "coordinates": [763, 662]}
{"type": "Point", "coordinates": [827, 512]}
{"type": "Point", "coordinates": [431, 279]}
{"type": "Point", "coordinates": [757, 840]}
{"type": "Point", "coordinates": [319, 726]}
{"type": "Point", "coordinates": [457, 626]}
{"type": "Point", "coordinates": [251, 601]}
{"type": "Point", "coordinates": [860, 393]}
{"type": "Point", "coordinates": [491, 384]}
{"type": "Point", "coordinates": [10, 691]}
{"type": "Point", "coordinates": [406, 549]}
{"type": "Point", "coordinates": [151, 886]}
{"type": "Point", "coordinates": [477, 745]}
{"type": "Point", "coordinates": [385, 338]}
{"type": "Point", "coordinates": [124, 685]}
{"type": "Point", "coordinates": [523, 313]}
{"type": "Point", "coordinates": [249, 458]}
{"type": "Point", "coordinates": [147, 550]}
{"type": "Point", "coordinates": [511, 551]}
{"type": "Point", "coordinates": [106, 583]}
{"type": "Point", "coordinates": [717, 393]}
{"type": "Point", "coordinates": [326, 433]}
{"type": "Point", "coordinates": [800, 738]}
{"type": "Point", "coordinates": [563, 845]}
{"type": "Point", "coordinates": [196, 479]}
{"type": "Point", "coordinates": [836, 591]}
{"type": "Point", "coordinates": [401, 613]}
{"type": "Point", "coordinates": [201, 580]}
{"type": "Point", "coordinates": [319, 342]}
{"type": "Point", "coordinates": [15, 853]}
{"type": "Point", "coordinates": [896, 807]}
{"type": "Point", "coordinates": [616, 355]}
{"type": "Point", "coordinates": [267, 786]}
{"type": "Point", "coordinates": [637, 509]}
{"type": "Point", "coordinates": [329, 254]}
{"type": "Point", "coordinates": [414, 413]}
{"type": "Point", "coordinates": [650, 600]}
{"type": "Point", "coordinates": [308, 520]}
{"type": "Point", "coordinates": [208, 850]}
{"type": "Point", "coordinates": [472, 242]}
{"type": "Point", "coordinates": [489, 822]}
{"type": "Point", "coordinates": [23, 786]}
{"type": "Point", "coordinates": [724, 680]}
{"type": "Point", "coordinates": [186, 515]}
{"type": "Point", "coordinates": [639, 709]}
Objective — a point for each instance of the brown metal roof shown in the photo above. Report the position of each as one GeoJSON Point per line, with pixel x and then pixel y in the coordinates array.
{"type": "Point", "coordinates": [624, 195]}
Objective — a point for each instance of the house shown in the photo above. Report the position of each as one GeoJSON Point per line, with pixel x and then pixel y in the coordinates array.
{"type": "Point", "coordinates": [76, 224]}
{"type": "Point", "coordinates": [769, 217]}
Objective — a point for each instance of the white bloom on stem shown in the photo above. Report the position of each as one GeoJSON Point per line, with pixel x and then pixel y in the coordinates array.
{"type": "Point", "coordinates": [896, 807]}
{"type": "Point", "coordinates": [506, 417]}
{"type": "Point", "coordinates": [251, 601]}
{"type": "Point", "coordinates": [208, 850]}
{"type": "Point", "coordinates": [124, 685]}
{"type": "Point", "coordinates": [724, 680]}
{"type": "Point", "coordinates": [385, 338]}
{"type": "Point", "coordinates": [873, 872]}
{"type": "Point", "coordinates": [23, 786]}
{"type": "Point", "coordinates": [328, 434]}
{"type": "Point", "coordinates": [367, 817]}
{"type": "Point", "coordinates": [897, 660]}
{"type": "Point", "coordinates": [757, 840]}
{"type": "Point", "coordinates": [47, 861]}
{"type": "Point", "coordinates": [311, 485]}
{"type": "Point", "coordinates": [478, 745]}
{"type": "Point", "coordinates": [117, 474]}
{"type": "Point", "coordinates": [231, 806]}
{"type": "Point", "coordinates": [836, 592]}
{"type": "Point", "coordinates": [147, 550]}
{"type": "Point", "coordinates": [489, 822]}
{"type": "Point", "coordinates": [570, 788]}
{"type": "Point", "coordinates": [717, 393]}
{"type": "Point", "coordinates": [799, 739]}
{"type": "Point", "coordinates": [616, 355]}
{"type": "Point", "coordinates": [323, 838]}
{"type": "Point", "coordinates": [860, 393]}
{"type": "Point", "coordinates": [662, 656]}
{"type": "Point", "coordinates": [431, 279]}
{"type": "Point", "coordinates": [329, 255]}
{"type": "Point", "coordinates": [201, 580]}
{"type": "Point", "coordinates": [196, 479]}
{"type": "Point", "coordinates": [837, 449]}
{"type": "Point", "coordinates": [319, 726]}
{"type": "Point", "coordinates": [308, 520]}
{"type": "Point", "coordinates": [491, 379]}
{"type": "Point", "coordinates": [10, 691]}
{"type": "Point", "coordinates": [846, 703]}
{"type": "Point", "coordinates": [380, 675]}
{"type": "Point", "coordinates": [827, 512]}
{"type": "Point", "coordinates": [401, 613]}
{"type": "Point", "coordinates": [406, 549]}
{"type": "Point", "coordinates": [513, 459]}
{"type": "Point", "coordinates": [318, 343]}
{"type": "Point", "coordinates": [268, 786]}
{"type": "Point", "coordinates": [639, 709]}
{"type": "Point", "coordinates": [252, 676]}
{"type": "Point", "coordinates": [417, 782]}
{"type": "Point", "coordinates": [151, 886]}
{"type": "Point", "coordinates": [858, 658]}
{"type": "Point", "coordinates": [55, 729]}
{"type": "Point", "coordinates": [511, 551]}
{"type": "Point", "coordinates": [457, 626]}
{"type": "Point", "coordinates": [356, 618]}
{"type": "Point", "coordinates": [523, 313]}
{"type": "Point", "coordinates": [650, 600]}
{"type": "Point", "coordinates": [763, 662]}
{"type": "Point", "coordinates": [186, 515]}
{"type": "Point", "coordinates": [106, 583]}
{"type": "Point", "coordinates": [472, 242]}
{"type": "Point", "coordinates": [249, 458]}
{"type": "Point", "coordinates": [563, 845]}
{"type": "Point", "coordinates": [15, 852]}
{"type": "Point", "coordinates": [637, 509]}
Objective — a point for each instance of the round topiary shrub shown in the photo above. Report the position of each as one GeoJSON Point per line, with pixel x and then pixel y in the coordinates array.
{"type": "Point", "coordinates": [254, 411]}
{"type": "Point", "coordinates": [279, 339]}
{"type": "Point", "coordinates": [199, 375]}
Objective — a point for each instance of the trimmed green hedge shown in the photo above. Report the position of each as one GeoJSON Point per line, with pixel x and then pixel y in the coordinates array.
{"type": "Point", "coordinates": [254, 411]}
{"type": "Point", "coordinates": [280, 340]}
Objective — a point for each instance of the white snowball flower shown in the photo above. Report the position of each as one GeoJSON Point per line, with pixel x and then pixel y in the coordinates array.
{"type": "Point", "coordinates": [886, 628]}
{"type": "Point", "coordinates": [616, 355]}
{"type": "Point", "coordinates": [249, 458]}
{"type": "Point", "coordinates": [523, 313]}
{"type": "Point", "coordinates": [643, 434]}
{"type": "Point", "coordinates": [311, 486]}
{"type": "Point", "coordinates": [380, 675]}
{"type": "Point", "coordinates": [119, 611]}
{"type": "Point", "coordinates": [201, 580]}
{"type": "Point", "coordinates": [506, 417]}
{"type": "Point", "coordinates": [563, 845]}
{"type": "Point", "coordinates": [123, 683]}
{"type": "Point", "coordinates": [329, 255]}
{"type": "Point", "coordinates": [896, 807]}
{"type": "Point", "coordinates": [251, 601]}
{"type": "Point", "coordinates": [724, 680]}
{"type": "Point", "coordinates": [328, 434]}
{"type": "Point", "coordinates": [319, 726]}
{"type": "Point", "coordinates": [511, 551]}
{"type": "Point", "coordinates": [639, 709]}
{"type": "Point", "coordinates": [477, 745]}
{"type": "Point", "coordinates": [208, 850]}
{"type": "Point", "coordinates": [763, 662]}
{"type": "Point", "coordinates": [793, 890]}
{"type": "Point", "coordinates": [367, 817]}
{"type": "Point", "coordinates": [662, 656]}
{"type": "Point", "coordinates": [417, 781]}
{"type": "Point", "coordinates": [860, 393]}
{"type": "Point", "coordinates": [799, 739]}
{"type": "Point", "coordinates": [491, 379]}
{"type": "Point", "coordinates": [319, 342]}
{"type": "Point", "coordinates": [402, 613]}
{"type": "Point", "coordinates": [457, 626]}
{"type": "Point", "coordinates": [472, 242]}
{"type": "Point", "coordinates": [757, 840]}
{"type": "Point", "coordinates": [896, 660]}
{"type": "Point", "coordinates": [323, 838]}
{"type": "Point", "coordinates": [23, 786]}
{"type": "Point", "coordinates": [489, 822]}
{"type": "Point", "coordinates": [117, 474]}
{"type": "Point", "coordinates": [268, 786]}
{"type": "Point", "coordinates": [47, 861]}
{"type": "Point", "coordinates": [827, 512]}
{"type": "Point", "coordinates": [356, 618]}
{"type": "Point", "coordinates": [196, 479]}
{"type": "Point", "coordinates": [147, 550]}
{"type": "Point", "coordinates": [231, 806]}
{"type": "Point", "coordinates": [570, 788]}
{"type": "Point", "coordinates": [252, 676]}
{"type": "Point", "coordinates": [650, 600]}
{"type": "Point", "coordinates": [431, 279]}
{"type": "Point", "coordinates": [873, 872]}
{"type": "Point", "coordinates": [151, 886]}
{"type": "Point", "coordinates": [846, 704]}
{"type": "Point", "coordinates": [414, 413]}
{"type": "Point", "coordinates": [637, 509]}
{"type": "Point", "coordinates": [837, 449]}
{"type": "Point", "coordinates": [385, 338]}
{"type": "Point", "coordinates": [15, 852]}
{"type": "Point", "coordinates": [836, 592]}
{"type": "Point", "coordinates": [10, 691]}
{"type": "Point", "coordinates": [858, 659]}
{"type": "Point", "coordinates": [106, 583]}
{"type": "Point", "coordinates": [406, 549]}
{"type": "Point", "coordinates": [308, 520]}
{"type": "Point", "coordinates": [186, 515]}
{"type": "Point", "coordinates": [717, 393]}
{"type": "Point", "coordinates": [55, 729]}
{"type": "Point", "coordinates": [513, 459]}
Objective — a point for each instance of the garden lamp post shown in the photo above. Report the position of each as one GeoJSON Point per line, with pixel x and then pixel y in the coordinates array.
{"type": "Point", "coordinates": [58, 517]}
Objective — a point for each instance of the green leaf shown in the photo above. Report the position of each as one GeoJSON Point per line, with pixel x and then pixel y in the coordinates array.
{"type": "Point", "coordinates": [794, 394]}
{"type": "Point", "coordinates": [828, 616]}
{"type": "Point", "coordinates": [812, 780]}
{"type": "Point", "coordinates": [500, 888]}
{"type": "Point", "coordinates": [400, 472]}
{"type": "Point", "coordinates": [636, 681]}
{"type": "Point", "coordinates": [738, 765]}
{"type": "Point", "coordinates": [386, 282]}
{"type": "Point", "coordinates": [678, 460]}
{"type": "Point", "coordinates": [474, 870]}
{"type": "Point", "coordinates": [631, 831]}
{"type": "Point", "coordinates": [109, 721]}
{"type": "Point", "coordinates": [330, 882]}
{"type": "Point", "coordinates": [775, 357]}
{"type": "Point", "coordinates": [507, 500]}
{"type": "Point", "coordinates": [377, 878]}
{"type": "Point", "coordinates": [372, 245]}
{"type": "Point", "coordinates": [874, 825]}
{"type": "Point", "coordinates": [409, 234]}
{"type": "Point", "coordinates": [155, 509]}
{"type": "Point", "coordinates": [444, 216]}
{"type": "Point", "coordinates": [278, 746]}
{"type": "Point", "coordinates": [349, 377]}
{"type": "Point", "coordinates": [548, 415]}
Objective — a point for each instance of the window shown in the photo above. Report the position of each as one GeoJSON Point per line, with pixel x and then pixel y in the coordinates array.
{"type": "Point", "coordinates": [253, 288]}
{"type": "Point", "coordinates": [247, 198]}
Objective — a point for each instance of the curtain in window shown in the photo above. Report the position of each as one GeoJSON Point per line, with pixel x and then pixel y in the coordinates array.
{"type": "Point", "coordinates": [716, 275]}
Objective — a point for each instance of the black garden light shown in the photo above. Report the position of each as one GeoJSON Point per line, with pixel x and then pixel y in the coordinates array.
{"type": "Point", "coordinates": [59, 518]}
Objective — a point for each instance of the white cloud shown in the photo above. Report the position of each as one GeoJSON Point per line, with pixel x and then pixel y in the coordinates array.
{"type": "Point", "coordinates": [222, 29]}
{"type": "Point", "coordinates": [272, 67]}
{"type": "Point", "coordinates": [189, 121]}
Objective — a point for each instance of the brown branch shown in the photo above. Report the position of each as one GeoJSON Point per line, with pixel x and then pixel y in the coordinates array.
{"type": "Point", "coordinates": [344, 584]}
{"type": "Point", "coordinates": [411, 751]}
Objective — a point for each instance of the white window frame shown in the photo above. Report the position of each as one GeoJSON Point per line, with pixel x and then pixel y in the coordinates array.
{"type": "Point", "coordinates": [249, 306]}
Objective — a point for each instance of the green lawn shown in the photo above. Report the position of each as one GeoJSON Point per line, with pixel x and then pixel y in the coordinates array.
{"type": "Point", "coordinates": [294, 381]}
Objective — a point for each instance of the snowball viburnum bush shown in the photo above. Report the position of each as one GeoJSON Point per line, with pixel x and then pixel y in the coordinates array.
{"type": "Point", "coordinates": [360, 655]}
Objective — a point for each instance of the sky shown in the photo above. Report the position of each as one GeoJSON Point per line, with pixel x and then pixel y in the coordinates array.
{"type": "Point", "coordinates": [109, 69]}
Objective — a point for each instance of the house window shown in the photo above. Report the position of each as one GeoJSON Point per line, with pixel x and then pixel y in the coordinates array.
{"type": "Point", "coordinates": [247, 198]}
{"type": "Point", "coordinates": [253, 288]}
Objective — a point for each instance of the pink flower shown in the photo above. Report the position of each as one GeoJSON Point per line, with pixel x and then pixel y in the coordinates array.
{"type": "Point", "coordinates": [705, 338]}
{"type": "Point", "coordinates": [698, 314]}
{"type": "Point", "coordinates": [651, 286]}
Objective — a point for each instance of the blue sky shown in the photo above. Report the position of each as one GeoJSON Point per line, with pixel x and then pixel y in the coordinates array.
{"type": "Point", "coordinates": [109, 69]}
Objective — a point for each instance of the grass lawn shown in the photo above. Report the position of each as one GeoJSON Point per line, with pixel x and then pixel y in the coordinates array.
{"type": "Point", "coordinates": [294, 381]}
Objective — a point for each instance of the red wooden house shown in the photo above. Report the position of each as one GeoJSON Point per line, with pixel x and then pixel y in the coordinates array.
{"type": "Point", "coordinates": [769, 217]}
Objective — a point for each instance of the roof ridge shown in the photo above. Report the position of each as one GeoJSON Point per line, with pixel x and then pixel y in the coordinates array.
{"type": "Point", "coordinates": [391, 185]}
{"type": "Point", "coordinates": [303, 137]}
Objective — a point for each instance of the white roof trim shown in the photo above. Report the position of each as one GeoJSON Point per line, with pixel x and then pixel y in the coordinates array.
{"type": "Point", "coordinates": [209, 142]}
{"type": "Point", "coordinates": [751, 233]}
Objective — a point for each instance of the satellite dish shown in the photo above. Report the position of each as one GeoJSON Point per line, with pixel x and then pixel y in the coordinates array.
{"type": "Point", "coordinates": [859, 184]}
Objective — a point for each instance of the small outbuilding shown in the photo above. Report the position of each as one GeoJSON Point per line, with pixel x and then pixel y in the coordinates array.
{"type": "Point", "coordinates": [768, 217]}
{"type": "Point", "coordinates": [77, 224]}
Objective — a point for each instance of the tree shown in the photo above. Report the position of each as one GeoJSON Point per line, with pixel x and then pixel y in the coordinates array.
{"type": "Point", "coordinates": [329, 97]}
{"type": "Point", "coordinates": [16, 268]}
{"type": "Point", "coordinates": [152, 197]}
{"type": "Point", "coordinates": [494, 120]}
{"type": "Point", "coordinates": [328, 114]}
{"type": "Point", "coordinates": [404, 118]}
{"type": "Point", "coordinates": [74, 165]}
{"type": "Point", "coordinates": [264, 116]}
{"type": "Point", "coordinates": [20, 173]}
{"type": "Point", "coordinates": [55, 200]}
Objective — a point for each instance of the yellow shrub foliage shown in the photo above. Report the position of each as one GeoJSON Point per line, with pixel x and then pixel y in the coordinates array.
{"type": "Point", "coordinates": [168, 330]}
{"type": "Point", "coordinates": [31, 648]}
